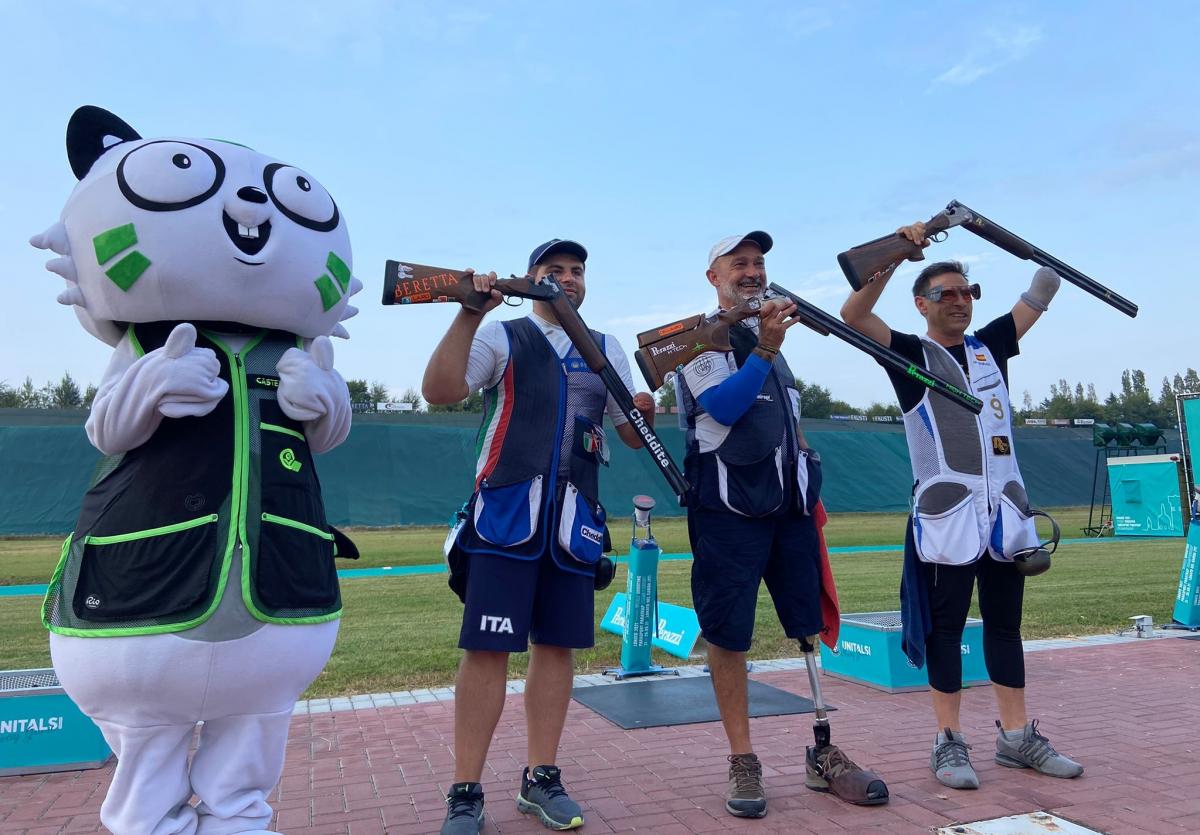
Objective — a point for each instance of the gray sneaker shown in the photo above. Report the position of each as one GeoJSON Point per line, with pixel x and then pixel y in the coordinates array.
{"type": "Point", "coordinates": [951, 763]}
{"type": "Point", "coordinates": [542, 793]}
{"type": "Point", "coordinates": [465, 813]}
{"type": "Point", "coordinates": [746, 798]}
{"type": "Point", "coordinates": [1030, 749]}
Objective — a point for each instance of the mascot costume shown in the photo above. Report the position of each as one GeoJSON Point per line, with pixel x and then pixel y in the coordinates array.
{"type": "Point", "coordinates": [199, 583]}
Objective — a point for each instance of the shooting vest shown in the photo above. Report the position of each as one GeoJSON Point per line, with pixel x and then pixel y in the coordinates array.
{"type": "Point", "coordinates": [537, 481]}
{"type": "Point", "coordinates": [969, 496]}
{"type": "Point", "coordinates": [152, 548]}
{"type": "Point", "coordinates": [754, 470]}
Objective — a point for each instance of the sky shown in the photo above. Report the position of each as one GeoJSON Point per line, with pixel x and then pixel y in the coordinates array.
{"type": "Point", "coordinates": [464, 134]}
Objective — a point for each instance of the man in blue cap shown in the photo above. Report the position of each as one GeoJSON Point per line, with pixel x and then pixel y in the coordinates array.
{"type": "Point", "coordinates": [533, 531]}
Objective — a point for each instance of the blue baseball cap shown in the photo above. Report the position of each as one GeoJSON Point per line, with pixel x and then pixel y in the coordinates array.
{"type": "Point", "coordinates": [553, 247]}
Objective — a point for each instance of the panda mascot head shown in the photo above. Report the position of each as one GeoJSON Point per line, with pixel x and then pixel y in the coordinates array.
{"type": "Point", "coordinates": [200, 230]}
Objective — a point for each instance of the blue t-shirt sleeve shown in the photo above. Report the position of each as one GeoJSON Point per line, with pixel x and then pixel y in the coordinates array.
{"type": "Point", "coordinates": [729, 400]}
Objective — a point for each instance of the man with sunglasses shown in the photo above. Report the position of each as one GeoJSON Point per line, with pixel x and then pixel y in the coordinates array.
{"type": "Point", "coordinates": [970, 510]}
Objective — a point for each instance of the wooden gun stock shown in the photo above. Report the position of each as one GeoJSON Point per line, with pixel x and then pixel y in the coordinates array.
{"type": "Point", "coordinates": [667, 349]}
{"type": "Point", "coordinates": [408, 283]}
{"type": "Point", "coordinates": [862, 263]}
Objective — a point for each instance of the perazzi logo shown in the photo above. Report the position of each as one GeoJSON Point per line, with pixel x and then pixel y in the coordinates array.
{"type": "Point", "coordinates": [670, 329]}
{"type": "Point", "coordinates": [672, 348]}
{"type": "Point", "coordinates": [21, 726]}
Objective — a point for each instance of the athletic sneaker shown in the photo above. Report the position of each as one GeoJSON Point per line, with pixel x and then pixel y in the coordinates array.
{"type": "Point", "coordinates": [465, 813]}
{"type": "Point", "coordinates": [542, 793]}
{"type": "Point", "coordinates": [828, 769]}
{"type": "Point", "coordinates": [1027, 748]}
{"type": "Point", "coordinates": [951, 763]}
{"type": "Point", "coordinates": [746, 798]}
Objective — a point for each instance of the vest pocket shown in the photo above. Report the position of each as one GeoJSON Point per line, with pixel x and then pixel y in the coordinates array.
{"type": "Point", "coordinates": [146, 574]}
{"type": "Point", "coordinates": [945, 527]}
{"type": "Point", "coordinates": [507, 515]}
{"type": "Point", "coordinates": [289, 484]}
{"type": "Point", "coordinates": [581, 527]}
{"type": "Point", "coordinates": [295, 565]}
{"type": "Point", "coordinates": [754, 488]}
{"type": "Point", "coordinates": [1015, 527]}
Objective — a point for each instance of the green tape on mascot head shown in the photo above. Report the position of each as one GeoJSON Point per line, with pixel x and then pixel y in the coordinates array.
{"type": "Point", "coordinates": [201, 230]}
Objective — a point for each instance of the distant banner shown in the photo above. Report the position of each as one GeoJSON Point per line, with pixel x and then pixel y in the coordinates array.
{"type": "Point", "coordinates": [1035, 421]}
{"type": "Point", "coordinates": [1084, 421]}
{"type": "Point", "coordinates": [848, 417]}
{"type": "Point", "coordinates": [393, 407]}
{"type": "Point", "coordinates": [1060, 422]}
{"type": "Point", "coordinates": [885, 419]}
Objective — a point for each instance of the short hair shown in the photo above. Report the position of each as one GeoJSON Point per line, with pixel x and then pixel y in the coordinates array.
{"type": "Point", "coordinates": [921, 285]}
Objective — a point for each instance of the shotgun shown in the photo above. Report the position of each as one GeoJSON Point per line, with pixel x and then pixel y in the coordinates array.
{"type": "Point", "coordinates": [407, 283]}
{"type": "Point", "coordinates": [861, 264]}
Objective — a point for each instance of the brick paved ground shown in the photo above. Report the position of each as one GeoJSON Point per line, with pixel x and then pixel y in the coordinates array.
{"type": "Point", "coordinates": [1130, 712]}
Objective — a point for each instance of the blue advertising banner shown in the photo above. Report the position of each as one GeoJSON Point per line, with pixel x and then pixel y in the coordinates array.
{"type": "Point", "coordinates": [1145, 495]}
{"type": "Point", "coordinates": [1187, 599]}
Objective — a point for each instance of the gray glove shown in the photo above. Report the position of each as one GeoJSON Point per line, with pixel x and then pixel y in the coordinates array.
{"type": "Point", "coordinates": [1042, 289]}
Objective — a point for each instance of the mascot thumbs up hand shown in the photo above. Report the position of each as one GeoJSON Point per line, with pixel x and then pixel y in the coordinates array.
{"type": "Point", "coordinates": [312, 392]}
{"type": "Point", "coordinates": [177, 380]}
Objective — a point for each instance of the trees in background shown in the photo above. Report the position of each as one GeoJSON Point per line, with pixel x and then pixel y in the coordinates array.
{"type": "Point", "coordinates": [1133, 403]}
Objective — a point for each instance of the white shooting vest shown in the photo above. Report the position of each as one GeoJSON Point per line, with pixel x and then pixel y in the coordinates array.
{"type": "Point", "coordinates": [969, 496]}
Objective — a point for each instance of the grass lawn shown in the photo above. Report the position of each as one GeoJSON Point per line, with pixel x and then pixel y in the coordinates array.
{"type": "Point", "coordinates": [401, 633]}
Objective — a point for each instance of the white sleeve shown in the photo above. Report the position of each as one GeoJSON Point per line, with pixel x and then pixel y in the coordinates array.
{"type": "Point", "coordinates": [488, 357]}
{"type": "Point", "coordinates": [707, 370]}
{"type": "Point", "coordinates": [620, 364]}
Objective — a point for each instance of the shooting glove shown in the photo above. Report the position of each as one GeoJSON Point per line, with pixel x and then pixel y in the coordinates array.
{"type": "Point", "coordinates": [1042, 289]}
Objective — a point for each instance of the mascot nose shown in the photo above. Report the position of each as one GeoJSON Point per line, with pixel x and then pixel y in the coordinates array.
{"type": "Point", "coordinates": [252, 195]}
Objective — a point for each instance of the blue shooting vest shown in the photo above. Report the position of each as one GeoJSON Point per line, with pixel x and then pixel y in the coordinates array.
{"type": "Point", "coordinates": [753, 472]}
{"type": "Point", "coordinates": [539, 448]}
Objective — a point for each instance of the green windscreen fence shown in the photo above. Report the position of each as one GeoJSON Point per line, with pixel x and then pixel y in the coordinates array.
{"type": "Point", "coordinates": [417, 470]}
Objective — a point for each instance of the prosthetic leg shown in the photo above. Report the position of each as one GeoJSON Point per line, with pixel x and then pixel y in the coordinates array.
{"type": "Point", "coordinates": [827, 768]}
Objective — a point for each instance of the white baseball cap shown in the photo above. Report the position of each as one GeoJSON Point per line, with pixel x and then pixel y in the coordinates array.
{"type": "Point", "coordinates": [728, 245]}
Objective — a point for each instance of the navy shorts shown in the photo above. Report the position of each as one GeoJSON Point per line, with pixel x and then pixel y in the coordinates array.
{"type": "Point", "coordinates": [732, 554]}
{"type": "Point", "coordinates": [512, 602]}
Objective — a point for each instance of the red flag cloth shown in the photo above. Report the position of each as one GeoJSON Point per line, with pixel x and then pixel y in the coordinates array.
{"type": "Point", "coordinates": [830, 613]}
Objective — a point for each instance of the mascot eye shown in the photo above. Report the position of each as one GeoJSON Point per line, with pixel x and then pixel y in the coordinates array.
{"type": "Point", "coordinates": [165, 176]}
{"type": "Point", "coordinates": [300, 198]}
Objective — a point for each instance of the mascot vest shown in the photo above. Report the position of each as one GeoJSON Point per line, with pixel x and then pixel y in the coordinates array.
{"type": "Point", "coordinates": [969, 497]}
{"type": "Point", "coordinates": [754, 470]}
{"type": "Point", "coordinates": [156, 535]}
{"type": "Point", "coordinates": [537, 485]}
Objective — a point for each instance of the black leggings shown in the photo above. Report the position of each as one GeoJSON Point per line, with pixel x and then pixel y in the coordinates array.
{"type": "Point", "coordinates": [1001, 590]}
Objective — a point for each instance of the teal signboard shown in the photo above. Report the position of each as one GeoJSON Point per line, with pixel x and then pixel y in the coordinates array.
{"type": "Point", "coordinates": [1187, 599]}
{"type": "Point", "coordinates": [41, 729]}
{"type": "Point", "coordinates": [1145, 495]}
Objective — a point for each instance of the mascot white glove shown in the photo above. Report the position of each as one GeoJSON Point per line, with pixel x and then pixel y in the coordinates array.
{"type": "Point", "coordinates": [177, 380]}
{"type": "Point", "coordinates": [312, 392]}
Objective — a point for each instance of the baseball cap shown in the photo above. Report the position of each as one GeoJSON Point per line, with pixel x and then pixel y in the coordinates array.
{"type": "Point", "coordinates": [553, 247]}
{"type": "Point", "coordinates": [728, 245]}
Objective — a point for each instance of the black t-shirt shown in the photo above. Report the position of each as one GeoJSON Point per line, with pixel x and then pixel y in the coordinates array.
{"type": "Point", "coordinates": [999, 335]}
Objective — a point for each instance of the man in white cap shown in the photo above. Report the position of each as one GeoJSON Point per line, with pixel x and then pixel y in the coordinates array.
{"type": "Point", "coordinates": [754, 486]}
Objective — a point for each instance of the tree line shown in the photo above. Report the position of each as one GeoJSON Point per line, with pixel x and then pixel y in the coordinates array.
{"type": "Point", "coordinates": [1134, 403]}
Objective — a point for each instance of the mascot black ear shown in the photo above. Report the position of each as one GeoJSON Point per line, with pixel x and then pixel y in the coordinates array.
{"type": "Point", "coordinates": [92, 131]}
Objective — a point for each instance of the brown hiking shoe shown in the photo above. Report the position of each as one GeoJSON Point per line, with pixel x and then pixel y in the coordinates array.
{"type": "Point", "coordinates": [830, 770]}
{"type": "Point", "coordinates": [746, 798]}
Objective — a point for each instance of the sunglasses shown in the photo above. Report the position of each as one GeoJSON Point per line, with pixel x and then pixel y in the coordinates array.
{"type": "Point", "coordinates": [937, 294]}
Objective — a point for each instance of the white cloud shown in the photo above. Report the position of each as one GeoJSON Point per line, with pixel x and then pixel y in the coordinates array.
{"type": "Point", "coordinates": [998, 48]}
